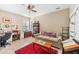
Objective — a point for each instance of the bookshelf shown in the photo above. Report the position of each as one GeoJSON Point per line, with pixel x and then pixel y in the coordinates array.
{"type": "Point", "coordinates": [36, 27]}
{"type": "Point", "coordinates": [65, 33]}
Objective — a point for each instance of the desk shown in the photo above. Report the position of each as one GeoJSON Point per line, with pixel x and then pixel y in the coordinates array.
{"type": "Point", "coordinates": [2, 34]}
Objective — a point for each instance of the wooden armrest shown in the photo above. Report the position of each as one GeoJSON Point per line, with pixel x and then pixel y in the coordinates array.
{"type": "Point", "coordinates": [71, 47]}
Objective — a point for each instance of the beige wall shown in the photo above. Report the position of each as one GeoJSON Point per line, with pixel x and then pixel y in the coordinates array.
{"type": "Point", "coordinates": [54, 21]}
{"type": "Point", "coordinates": [15, 19]}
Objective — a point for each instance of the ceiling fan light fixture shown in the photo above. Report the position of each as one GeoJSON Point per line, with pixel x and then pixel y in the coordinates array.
{"type": "Point", "coordinates": [58, 8]}
{"type": "Point", "coordinates": [31, 7]}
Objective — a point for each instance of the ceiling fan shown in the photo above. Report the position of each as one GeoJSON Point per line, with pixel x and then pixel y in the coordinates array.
{"type": "Point", "coordinates": [31, 7]}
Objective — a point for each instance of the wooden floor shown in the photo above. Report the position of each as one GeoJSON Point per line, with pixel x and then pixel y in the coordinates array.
{"type": "Point", "coordinates": [10, 49]}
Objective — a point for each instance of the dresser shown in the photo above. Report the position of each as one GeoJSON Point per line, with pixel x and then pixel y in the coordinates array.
{"type": "Point", "coordinates": [27, 34]}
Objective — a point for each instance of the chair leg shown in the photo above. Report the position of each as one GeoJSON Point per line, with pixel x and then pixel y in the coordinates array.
{"type": "Point", "coordinates": [4, 46]}
{"type": "Point", "coordinates": [0, 45]}
{"type": "Point", "coordinates": [8, 43]}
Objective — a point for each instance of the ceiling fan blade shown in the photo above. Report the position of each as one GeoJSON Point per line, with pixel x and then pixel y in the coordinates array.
{"type": "Point", "coordinates": [34, 10]}
{"type": "Point", "coordinates": [30, 7]}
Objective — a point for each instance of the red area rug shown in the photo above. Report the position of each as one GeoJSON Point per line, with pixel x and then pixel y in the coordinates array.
{"type": "Point", "coordinates": [35, 48]}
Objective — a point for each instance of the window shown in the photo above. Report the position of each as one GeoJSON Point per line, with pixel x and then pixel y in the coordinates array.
{"type": "Point", "coordinates": [74, 25]}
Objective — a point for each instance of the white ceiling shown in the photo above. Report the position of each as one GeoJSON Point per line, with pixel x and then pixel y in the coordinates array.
{"type": "Point", "coordinates": [41, 8]}
{"type": "Point", "coordinates": [47, 8]}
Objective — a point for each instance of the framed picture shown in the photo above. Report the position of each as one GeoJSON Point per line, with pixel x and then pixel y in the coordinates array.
{"type": "Point", "coordinates": [6, 20]}
{"type": "Point", "coordinates": [7, 26]}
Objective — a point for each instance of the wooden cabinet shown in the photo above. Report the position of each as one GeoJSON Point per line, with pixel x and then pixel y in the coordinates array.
{"type": "Point", "coordinates": [27, 34]}
{"type": "Point", "coordinates": [15, 35]}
